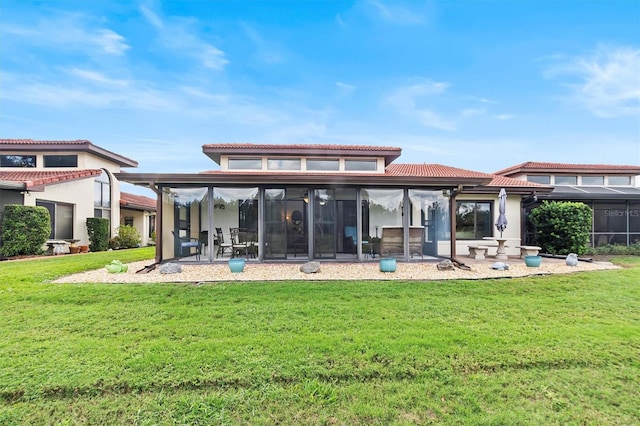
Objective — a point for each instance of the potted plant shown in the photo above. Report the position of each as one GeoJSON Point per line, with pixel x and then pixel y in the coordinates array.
{"type": "Point", "coordinates": [388, 264]}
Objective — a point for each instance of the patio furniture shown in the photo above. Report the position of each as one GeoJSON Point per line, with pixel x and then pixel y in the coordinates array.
{"type": "Point", "coordinates": [528, 251]}
{"type": "Point", "coordinates": [188, 243]}
{"type": "Point", "coordinates": [222, 246]}
{"type": "Point", "coordinates": [239, 246]}
{"type": "Point", "coordinates": [478, 252]}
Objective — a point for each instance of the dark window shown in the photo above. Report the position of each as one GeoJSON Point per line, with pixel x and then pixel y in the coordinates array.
{"type": "Point", "coordinates": [361, 165]}
{"type": "Point", "coordinates": [61, 219]}
{"type": "Point", "coordinates": [593, 180]}
{"type": "Point", "coordinates": [322, 165]}
{"type": "Point", "coordinates": [542, 179]}
{"type": "Point", "coordinates": [566, 180]}
{"type": "Point", "coordinates": [17, 160]}
{"type": "Point", "coordinates": [619, 180]}
{"type": "Point", "coordinates": [152, 225]}
{"type": "Point", "coordinates": [473, 220]}
{"type": "Point", "coordinates": [128, 220]}
{"type": "Point", "coordinates": [61, 161]}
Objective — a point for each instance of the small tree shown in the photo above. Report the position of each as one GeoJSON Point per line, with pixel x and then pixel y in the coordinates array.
{"type": "Point", "coordinates": [25, 229]}
{"type": "Point", "coordinates": [562, 227]}
{"type": "Point", "coordinates": [98, 231]}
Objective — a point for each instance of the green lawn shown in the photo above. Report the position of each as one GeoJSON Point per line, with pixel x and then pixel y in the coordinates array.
{"type": "Point", "coordinates": [561, 349]}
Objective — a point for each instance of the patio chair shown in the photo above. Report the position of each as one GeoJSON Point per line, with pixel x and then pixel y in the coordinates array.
{"type": "Point", "coordinates": [188, 243]}
{"type": "Point", "coordinates": [222, 246]}
{"type": "Point", "coordinates": [239, 244]}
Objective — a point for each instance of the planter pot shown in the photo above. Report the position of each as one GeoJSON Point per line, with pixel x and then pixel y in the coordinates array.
{"type": "Point", "coordinates": [236, 265]}
{"type": "Point", "coordinates": [74, 249]}
{"type": "Point", "coordinates": [84, 249]}
{"type": "Point", "coordinates": [388, 264]}
{"type": "Point", "coordinates": [532, 261]}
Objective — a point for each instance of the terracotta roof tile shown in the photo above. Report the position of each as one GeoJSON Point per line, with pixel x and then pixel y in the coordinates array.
{"type": "Point", "coordinates": [31, 145]}
{"type": "Point", "coordinates": [137, 201]}
{"type": "Point", "coordinates": [255, 146]}
{"type": "Point", "coordinates": [503, 181]}
{"type": "Point", "coordinates": [432, 170]}
{"type": "Point", "coordinates": [32, 179]}
{"type": "Point", "coordinates": [542, 167]}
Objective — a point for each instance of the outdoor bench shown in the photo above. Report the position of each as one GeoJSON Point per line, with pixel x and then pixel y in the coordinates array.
{"type": "Point", "coordinates": [528, 251]}
{"type": "Point", "coordinates": [478, 252]}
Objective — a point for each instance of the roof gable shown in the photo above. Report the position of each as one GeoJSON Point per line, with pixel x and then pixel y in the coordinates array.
{"type": "Point", "coordinates": [137, 202]}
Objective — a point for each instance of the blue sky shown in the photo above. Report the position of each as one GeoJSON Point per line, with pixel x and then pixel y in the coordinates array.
{"type": "Point", "coordinates": [480, 85]}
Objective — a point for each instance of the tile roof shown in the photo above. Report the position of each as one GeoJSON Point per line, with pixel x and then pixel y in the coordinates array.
{"type": "Point", "coordinates": [31, 145]}
{"type": "Point", "coordinates": [503, 181]}
{"type": "Point", "coordinates": [432, 170]}
{"type": "Point", "coordinates": [542, 167]}
{"type": "Point", "coordinates": [34, 179]}
{"type": "Point", "coordinates": [214, 151]}
{"type": "Point", "coordinates": [137, 202]}
{"type": "Point", "coordinates": [300, 147]}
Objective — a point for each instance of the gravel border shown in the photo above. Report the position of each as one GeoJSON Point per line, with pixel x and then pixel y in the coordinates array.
{"type": "Point", "coordinates": [219, 272]}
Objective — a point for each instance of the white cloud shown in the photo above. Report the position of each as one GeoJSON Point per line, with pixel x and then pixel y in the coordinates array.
{"type": "Point", "coordinates": [394, 14]}
{"type": "Point", "coordinates": [97, 77]}
{"type": "Point", "coordinates": [503, 117]}
{"type": "Point", "coordinates": [608, 81]}
{"type": "Point", "coordinates": [406, 100]}
{"type": "Point", "coordinates": [180, 36]}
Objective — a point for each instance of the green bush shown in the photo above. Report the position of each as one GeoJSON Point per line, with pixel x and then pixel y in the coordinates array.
{"type": "Point", "coordinates": [98, 230]}
{"type": "Point", "coordinates": [562, 227]}
{"type": "Point", "coordinates": [616, 249]}
{"type": "Point", "coordinates": [25, 229]}
{"type": "Point", "coordinates": [128, 237]}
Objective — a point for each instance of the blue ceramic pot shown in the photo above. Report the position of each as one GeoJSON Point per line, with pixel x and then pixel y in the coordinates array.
{"type": "Point", "coordinates": [388, 264]}
{"type": "Point", "coordinates": [236, 265]}
{"type": "Point", "coordinates": [532, 261]}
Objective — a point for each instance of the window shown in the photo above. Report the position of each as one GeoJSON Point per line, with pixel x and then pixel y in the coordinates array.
{"type": "Point", "coordinates": [128, 220]}
{"type": "Point", "coordinates": [593, 180]}
{"type": "Point", "coordinates": [17, 160]}
{"type": "Point", "coordinates": [102, 196]}
{"type": "Point", "coordinates": [323, 165]}
{"type": "Point", "coordinates": [152, 226]}
{"type": "Point", "coordinates": [283, 164]}
{"type": "Point", "coordinates": [361, 165]}
{"type": "Point", "coordinates": [473, 220]}
{"type": "Point", "coordinates": [61, 219]}
{"type": "Point", "coordinates": [543, 179]}
{"type": "Point", "coordinates": [619, 180]}
{"type": "Point", "coordinates": [61, 161]}
{"type": "Point", "coordinates": [566, 180]}
{"type": "Point", "coordinates": [245, 164]}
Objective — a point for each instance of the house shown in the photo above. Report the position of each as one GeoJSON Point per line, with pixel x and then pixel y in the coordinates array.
{"type": "Point", "coordinates": [295, 202]}
{"type": "Point", "coordinates": [612, 192]}
{"type": "Point", "coordinates": [74, 180]}
{"type": "Point", "coordinates": [140, 212]}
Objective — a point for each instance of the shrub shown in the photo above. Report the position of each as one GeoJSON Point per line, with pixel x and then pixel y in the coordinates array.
{"type": "Point", "coordinates": [98, 230]}
{"type": "Point", "coordinates": [128, 237]}
{"type": "Point", "coordinates": [562, 227]}
{"type": "Point", "coordinates": [25, 229]}
{"type": "Point", "coordinates": [616, 249]}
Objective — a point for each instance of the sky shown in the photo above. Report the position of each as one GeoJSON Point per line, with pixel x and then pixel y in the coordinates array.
{"type": "Point", "coordinates": [479, 85]}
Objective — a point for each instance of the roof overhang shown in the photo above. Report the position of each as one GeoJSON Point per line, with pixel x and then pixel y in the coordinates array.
{"type": "Point", "coordinates": [28, 145]}
{"type": "Point", "coordinates": [243, 179]}
{"type": "Point", "coordinates": [593, 193]}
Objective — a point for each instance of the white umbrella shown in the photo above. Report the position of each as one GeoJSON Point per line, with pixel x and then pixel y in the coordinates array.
{"type": "Point", "coordinates": [501, 223]}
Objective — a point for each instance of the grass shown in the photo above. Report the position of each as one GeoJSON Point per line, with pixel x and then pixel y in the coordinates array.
{"type": "Point", "coordinates": [561, 349]}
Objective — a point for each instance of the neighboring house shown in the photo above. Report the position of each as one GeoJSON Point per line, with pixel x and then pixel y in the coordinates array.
{"type": "Point", "coordinates": [74, 180]}
{"type": "Point", "coordinates": [140, 212]}
{"type": "Point", "coordinates": [612, 191]}
{"type": "Point", "coordinates": [345, 202]}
